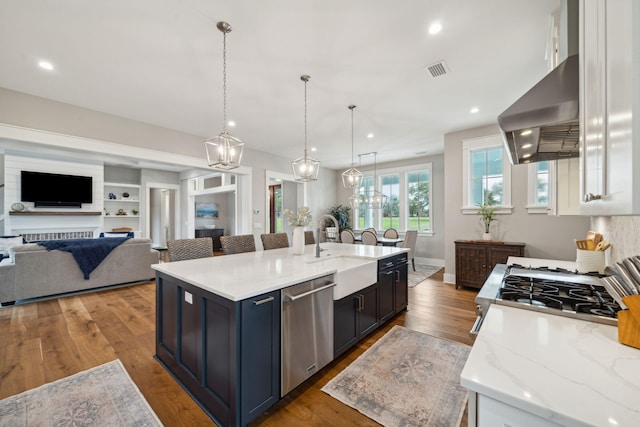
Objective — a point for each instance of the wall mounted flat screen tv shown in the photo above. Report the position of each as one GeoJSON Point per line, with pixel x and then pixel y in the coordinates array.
{"type": "Point", "coordinates": [55, 190]}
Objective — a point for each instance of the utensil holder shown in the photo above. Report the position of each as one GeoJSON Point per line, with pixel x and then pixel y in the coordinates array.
{"type": "Point", "coordinates": [588, 261]}
{"type": "Point", "coordinates": [629, 322]}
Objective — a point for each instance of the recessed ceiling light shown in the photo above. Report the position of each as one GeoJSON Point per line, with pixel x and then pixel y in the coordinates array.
{"type": "Point", "coordinates": [370, 135]}
{"type": "Point", "coordinates": [45, 65]}
{"type": "Point", "coordinates": [474, 110]}
{"type": "Point", "coordinates": [526, 156]}
{"type": "Point", "coordinates": [435, 28]}
{"type": "Point", "coordinates": [231, 123]}
{"type": "Point", "coordinates": [526, 132]}
{"type": "Point", "coordinates": [314, 149]}
{"type": "Point", "coordinates": [526, 146]}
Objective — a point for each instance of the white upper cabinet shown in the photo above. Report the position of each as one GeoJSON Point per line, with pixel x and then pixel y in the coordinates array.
{"type": "Point", "coordinates": [610, 150]}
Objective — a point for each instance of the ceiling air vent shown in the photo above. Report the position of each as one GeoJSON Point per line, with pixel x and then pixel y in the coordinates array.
{"type": "Point", "coordinates": [438, 69]}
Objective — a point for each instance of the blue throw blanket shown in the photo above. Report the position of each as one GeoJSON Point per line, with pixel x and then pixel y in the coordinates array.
{"type": "Point", "coordinates": [88, 253]}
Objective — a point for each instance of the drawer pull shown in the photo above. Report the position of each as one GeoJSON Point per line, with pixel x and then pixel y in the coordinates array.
{"type": "Point", "coordinates": [262, 301]}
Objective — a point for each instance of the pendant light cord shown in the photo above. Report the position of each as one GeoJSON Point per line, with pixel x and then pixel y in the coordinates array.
{"type": "Point", "coordinates": [305, 118]}
{"type": "Point", "coordinates": [224, 81]}
{"type": "Point", "coordinates": [351, 107]}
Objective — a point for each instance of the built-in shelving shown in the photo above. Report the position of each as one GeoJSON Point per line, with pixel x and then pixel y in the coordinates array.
{"type": "Point", "coordinates": [57, 213]}
{"type": "Point", "coordinates": [126, 204]}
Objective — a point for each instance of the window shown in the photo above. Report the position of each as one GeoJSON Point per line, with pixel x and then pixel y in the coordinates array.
{"type": "Point", "coordinates": [419, 193]}
{"type": "Point", "coordinates": [391, 211]}
{"type": "Point", "coordinates": [486, 172]}
{"type": "Point", "coordinates": [408, 192]}
{"type": "Point", "coordinates": [540, 187]}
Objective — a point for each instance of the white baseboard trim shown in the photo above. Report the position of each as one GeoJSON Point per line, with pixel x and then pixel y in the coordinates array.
{"type": "Point", "coordinates": [449, 278]}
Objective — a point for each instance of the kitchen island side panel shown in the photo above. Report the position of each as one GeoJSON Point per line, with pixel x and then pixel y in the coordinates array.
{"type": "Point", "coordinates": [212, 377]}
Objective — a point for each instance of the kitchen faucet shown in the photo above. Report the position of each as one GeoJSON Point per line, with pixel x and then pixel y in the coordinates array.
{"type": "Point", "coordinates": [322, 217]}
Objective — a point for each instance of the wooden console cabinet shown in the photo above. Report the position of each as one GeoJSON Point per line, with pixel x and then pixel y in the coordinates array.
{"type": "Point", "coordinates": [476, 258]}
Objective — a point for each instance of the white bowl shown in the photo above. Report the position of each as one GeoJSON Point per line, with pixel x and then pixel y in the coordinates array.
{"type": "Point", "coordinates": [210, 226]}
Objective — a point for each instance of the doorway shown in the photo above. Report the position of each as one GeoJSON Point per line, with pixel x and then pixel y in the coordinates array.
{"type": "Point", "coordinates": [283, 192]}
{"type": "Point", "coordinates": [275, 208]}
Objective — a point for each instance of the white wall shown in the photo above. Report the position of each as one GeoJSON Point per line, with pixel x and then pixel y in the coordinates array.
{"type": "Point", "coordinates": [545, 236]}
{"type": "Point", "coordinates": [622, 232]}
{"type": "Point", "coordinates": [15, 163]}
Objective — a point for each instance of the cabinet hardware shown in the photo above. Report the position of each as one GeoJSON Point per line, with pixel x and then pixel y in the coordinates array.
{"type": "Point", "coordinates": [262, 301]}
{"type": "Point", "coordinates": [589, 197]}
{"type": "Point", "coordinates": [397, 275]}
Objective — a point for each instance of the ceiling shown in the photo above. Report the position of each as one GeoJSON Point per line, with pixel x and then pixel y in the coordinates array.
{"type": "Point", "coordinates": [160, 62]}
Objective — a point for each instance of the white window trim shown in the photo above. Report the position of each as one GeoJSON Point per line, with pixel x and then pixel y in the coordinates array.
{"type": "Point", "coordinates": [532, 189]}
{"type": "Point", "coordinates": [484, 143]}
{"type": "Point", "coordinates": [403, 170]}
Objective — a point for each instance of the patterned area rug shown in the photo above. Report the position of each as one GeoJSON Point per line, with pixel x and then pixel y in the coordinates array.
{"type": "Point", "coordinates": [407, 378]}
{"type": "Point", "coordinates": [101, 396]}
{"type": "Point", "coordinates": [421, 273]}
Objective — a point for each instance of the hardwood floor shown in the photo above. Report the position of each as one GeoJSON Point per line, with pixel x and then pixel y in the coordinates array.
{"type": "Point", "coordinates": [44, 341]}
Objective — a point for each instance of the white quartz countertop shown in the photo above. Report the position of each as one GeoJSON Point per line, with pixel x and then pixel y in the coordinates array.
{"type": "Point", "coordinates": [568, 371]}
{"type": "Point", "coordinates": [240, 276]}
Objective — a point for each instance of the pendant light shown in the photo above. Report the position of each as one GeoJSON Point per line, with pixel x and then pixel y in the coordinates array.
{"type": "Point", "coordinates": [305, 168]}
{"type": "Point", "coordinates": [224, 151]}
{"type": "Point", "coordinates": [352, 177]}
{"type": "Point", "coordinates": [372, 198]}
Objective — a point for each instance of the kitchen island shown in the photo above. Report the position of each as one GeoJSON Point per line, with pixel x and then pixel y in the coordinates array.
{"type": "Point", "coordinates": [528, 368]}
{"type": "Point", "coordinates": [219, 319]}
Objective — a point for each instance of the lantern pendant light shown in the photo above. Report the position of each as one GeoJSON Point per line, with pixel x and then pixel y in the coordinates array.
{"type": "Point", "coordinates": [372, 198]}
{"type": "Point", "coordinates": [305, 168]}
{"type": "Point", "coordinates": [224, 151]}
{"type": "Point", "coordinates": [352, 177]}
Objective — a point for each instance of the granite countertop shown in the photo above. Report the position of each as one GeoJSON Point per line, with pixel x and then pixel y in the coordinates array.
{"type": "Point", "coordinates": [565, 370]}
{"type": "Point", "coordinates": [240, 276]}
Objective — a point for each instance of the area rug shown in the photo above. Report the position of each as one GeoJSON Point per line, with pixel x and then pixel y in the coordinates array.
{"type": "Point", "coordinates": [101, 396]}
{"type": "Point", "coordinates": [406, 378]}
{"type": "Point", "coordinates": [421, 273]}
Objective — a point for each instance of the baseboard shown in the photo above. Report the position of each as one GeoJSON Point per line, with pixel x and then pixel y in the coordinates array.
{"type": "Point", "coordinates": [449, 278]}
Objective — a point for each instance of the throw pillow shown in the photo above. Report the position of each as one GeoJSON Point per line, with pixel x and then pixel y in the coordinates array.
{"type": "Point", "coordinates": [7, 242]}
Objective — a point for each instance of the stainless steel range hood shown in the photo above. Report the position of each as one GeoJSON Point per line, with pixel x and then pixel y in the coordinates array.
{"type": "Point", "coordinates": [543, 124]}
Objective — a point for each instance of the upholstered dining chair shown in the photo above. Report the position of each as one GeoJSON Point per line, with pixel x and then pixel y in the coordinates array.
{"type": "Point", "coordinates": [274, 241]}
{"type": "Point", "coordinates": [238, 244]}
{"type": "Point", "coordinates": [390, 233]}
{"type": "Point", "coordinates": [346, 236]}
{"type": "Point", "coordinates": [371, 229]}
{"type": "Point", "coordinates": [182, 249]}
{"type": "Point", "coordinates": [369, 238]}
{"type": "Point", "coordinates": [309, 238]}
{"type": "Point", "coordinates": [410, 239]}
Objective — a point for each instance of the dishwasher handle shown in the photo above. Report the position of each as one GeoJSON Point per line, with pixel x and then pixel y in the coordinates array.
{"type": "Point", "coordinates": [289, 298]}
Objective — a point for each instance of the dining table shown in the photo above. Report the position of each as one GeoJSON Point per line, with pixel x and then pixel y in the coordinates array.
{"type": "Point", "coordinates": [384, 241]}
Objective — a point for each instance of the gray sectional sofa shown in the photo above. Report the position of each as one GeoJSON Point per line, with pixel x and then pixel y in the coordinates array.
{"type": "Point", "coordinates": [33, 272]}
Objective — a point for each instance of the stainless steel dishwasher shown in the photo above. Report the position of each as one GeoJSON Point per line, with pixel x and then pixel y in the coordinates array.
{"type": "Point", "coordinates": [307, 330]}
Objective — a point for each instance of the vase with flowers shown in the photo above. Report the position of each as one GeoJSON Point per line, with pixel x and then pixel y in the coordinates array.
{"type": "Point", "coordinates": [298, 221]}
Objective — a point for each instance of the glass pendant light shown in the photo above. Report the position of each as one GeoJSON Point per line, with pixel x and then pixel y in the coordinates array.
{"type": "Point", "coordinates": [224, 151]}
{"type": "Point", "coordinates": [305, 168]}
{"type": "Point", "coordinates": [352, 177]}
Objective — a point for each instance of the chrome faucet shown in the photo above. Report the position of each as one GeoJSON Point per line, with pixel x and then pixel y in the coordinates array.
{"type": "Point", "coordinates": [323, 217]}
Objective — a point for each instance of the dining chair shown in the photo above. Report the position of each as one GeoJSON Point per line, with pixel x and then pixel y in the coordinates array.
{"type": "Point", "coordinates": [371, 229]}
{"type": "Point", "coordinates": [369, 238]}
{"type": "Point", "coordinates": [309, 238]}
{"type": "Point", "coordinates": [390, 233]}
{"type": "Point", "coordinates": [274, 241]}
{"type": "Point", "coordinates": [238, 244]}
{"type": "Point", "coordinates": [183, 249]}
{"type": "Point", "coordinates": [410, 239]}
{"type": "Point", "coordinates": [346, 236]}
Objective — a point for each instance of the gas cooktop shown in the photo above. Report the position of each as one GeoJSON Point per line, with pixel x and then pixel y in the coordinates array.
{"type": "Point", "coordinates": [558, 291]}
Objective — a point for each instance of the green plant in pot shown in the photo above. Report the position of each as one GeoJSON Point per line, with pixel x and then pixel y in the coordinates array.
{"type": "Point", "coordinates": [487, 213]}
{"type": "Point", "coordinates": [343, 215]}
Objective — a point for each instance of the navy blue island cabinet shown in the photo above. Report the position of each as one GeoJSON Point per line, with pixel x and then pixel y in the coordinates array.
{"type": "Point", "coordinates": [225, 353]}
{"type": "Point", "coordinates": [357, 315]}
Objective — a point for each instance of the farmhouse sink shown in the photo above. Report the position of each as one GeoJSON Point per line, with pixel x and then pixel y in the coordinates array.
{"type": "Point", "coordinates": [352, 274]}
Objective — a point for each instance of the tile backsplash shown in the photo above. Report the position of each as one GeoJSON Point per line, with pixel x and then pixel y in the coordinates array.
{"type": "Point", "coordinates": [623, 232]}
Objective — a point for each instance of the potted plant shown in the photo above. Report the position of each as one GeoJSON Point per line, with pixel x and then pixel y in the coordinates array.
{"type": "Point", "coordinates": [487, 213]}
{"type": "Point", "coordinates": [343, 215]}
